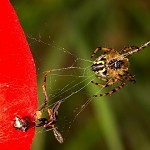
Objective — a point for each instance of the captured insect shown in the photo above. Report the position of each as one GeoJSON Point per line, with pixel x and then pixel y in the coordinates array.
{"type": "Point", "coordinates": [112, 67]}
{"type": "Point", "coordinates": [53, 115]}
{"type": "Point", "coordinates": [21, 124]}
{"type": "Point", "coordinates": [50, 123]}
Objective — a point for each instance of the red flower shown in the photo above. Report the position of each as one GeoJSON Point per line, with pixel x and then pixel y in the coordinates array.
{"type": "Point", "coordinates": [18, 85]}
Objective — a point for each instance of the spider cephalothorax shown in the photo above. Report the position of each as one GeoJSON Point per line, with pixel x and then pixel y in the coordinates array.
{"type": "Point", "coordinates": [112, 66]}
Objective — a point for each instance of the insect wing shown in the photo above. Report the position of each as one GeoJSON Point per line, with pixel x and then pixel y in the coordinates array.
{"type": "Point", "coordinates": [57, 135]}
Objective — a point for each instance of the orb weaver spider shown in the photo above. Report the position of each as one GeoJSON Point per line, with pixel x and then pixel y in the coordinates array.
{"type": "Point", "coordinates": [52, 112]}
{"type": "Point", "coordinates": [112, 67]}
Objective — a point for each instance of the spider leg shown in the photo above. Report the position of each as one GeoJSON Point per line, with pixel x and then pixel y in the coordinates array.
{"type": "Point", "coordinates": [128, 48]}
{"type": "Point", "coordinates": [100, 48]}
{"type": "Point", "coordinates": [137, 49]}
{"type": "Point", "coordinates": [130, 77]}
{"type": "Point", "coordinates": [112, 91]}
{"type": "Point", "coordinates": [54, 110]}
{"type": "Point", "coordinates": [103, 79]}
{"type": "Point", "coordinates": [108, 82]}
{"type": "Point", "coordinates": [100, 84]}
{"type": "Point", "coordinates": [44, 91]}
{"type": "Point", "coordinates": [50, 113]}
{"type": "Point", "coordinates": [56, 107]}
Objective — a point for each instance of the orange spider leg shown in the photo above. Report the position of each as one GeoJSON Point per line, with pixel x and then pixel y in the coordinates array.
{"type": "Point", "coordinates": [136, 50]}
{"type": "Point", "coordinates": [112, 91]}
{"type": "Point", "coordinates": [100, 84]}
{"type": "Point", "coordinates": [130, 77]}
{"type": "Point", "coordinates": [100, 48]}
{"type": "Point", "coordinates": [128, 48]}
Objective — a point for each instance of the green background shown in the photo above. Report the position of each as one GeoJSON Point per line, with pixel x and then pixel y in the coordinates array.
{"type": "Point", "coordinates": [117, 122]}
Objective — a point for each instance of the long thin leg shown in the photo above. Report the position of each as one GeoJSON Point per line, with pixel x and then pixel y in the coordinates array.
{"type": "Point", "coordinates": [128, 48]}
{"type": "Point", "coordinates": [110, 82]}
{"type": "Point", "coordinates": [103, 79]}
{"type": "Point", "coordinates": [56, 107]}
{"type": "Point", "coordinates": [100, 48]}
{"type": "Point", "coordinates": [129, 77]}
{"type": "Point", "coordinates": [112, 91]}
{"type": "Point", "coordinates": [53, 112]}
{"type": "Point", "coordinates": [136, 50]}
{"type": "Point", "coordinates": [100, 84]}
{"type": "Point", "coordinates": [44, 91]}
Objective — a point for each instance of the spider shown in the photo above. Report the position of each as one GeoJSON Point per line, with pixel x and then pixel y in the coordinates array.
{"type": "Point", "coordinates": [112, 67]}
{"type": "Point", "coordinates": [53, 115]}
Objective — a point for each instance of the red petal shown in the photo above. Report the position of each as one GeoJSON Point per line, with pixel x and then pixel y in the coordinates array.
{"type": "Point", "coordinates": [18, 85]}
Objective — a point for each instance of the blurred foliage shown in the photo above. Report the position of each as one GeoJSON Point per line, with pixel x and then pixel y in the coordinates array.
{"type": "Point", "coordinates": [118, 122]}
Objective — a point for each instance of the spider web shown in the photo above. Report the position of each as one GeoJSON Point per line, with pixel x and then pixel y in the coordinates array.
{"type": "Point", "coordinates": [67, 83]}
{"type": "Point", "coordinates": [72, 81]}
